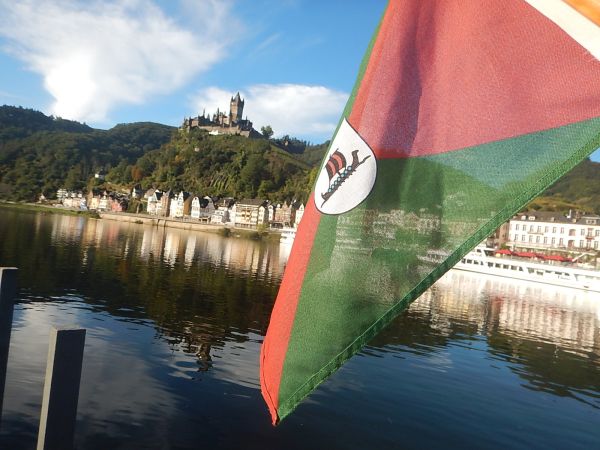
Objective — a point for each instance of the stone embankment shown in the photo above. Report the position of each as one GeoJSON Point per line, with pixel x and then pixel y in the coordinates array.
{"type": "Point", "coordinates": [190, 224]}
{"type": "Point", "coordinates": [144, 219]}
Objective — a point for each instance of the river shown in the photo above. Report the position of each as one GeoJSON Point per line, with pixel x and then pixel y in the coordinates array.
{"type": "Point", "coordinates": [175, 321]}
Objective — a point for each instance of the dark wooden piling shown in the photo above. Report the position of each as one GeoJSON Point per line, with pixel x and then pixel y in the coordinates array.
{"type": "Point", "coordinates": [61, 389]}
{"type": "Point", "coordinates": [8, 289]}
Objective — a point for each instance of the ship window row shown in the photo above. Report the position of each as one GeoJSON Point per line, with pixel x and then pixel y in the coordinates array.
{"type": "Point", "coordinates": [496, 265]}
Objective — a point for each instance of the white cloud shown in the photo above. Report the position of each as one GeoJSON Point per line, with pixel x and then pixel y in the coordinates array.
{"type": "Point", "coordinates": [294, 109]}
{"type": "Point", "coordinates": [96, 55]}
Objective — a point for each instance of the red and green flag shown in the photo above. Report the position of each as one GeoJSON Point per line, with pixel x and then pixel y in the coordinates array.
{"type": "Point", "coordinates": [462, 113]}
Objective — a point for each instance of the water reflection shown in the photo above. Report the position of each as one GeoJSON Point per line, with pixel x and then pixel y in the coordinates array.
{"type": "Point", "coordinates": [565, 317]}
{"type": "Point", "coordinates": [173, 246]}
{"type": "Point", "coordinates": [550, 336]}
{"type": "Point", "coordinates": [175, 321]}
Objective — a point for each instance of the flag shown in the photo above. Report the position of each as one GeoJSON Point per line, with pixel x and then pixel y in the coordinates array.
{"type": "Point", "coordinates": [462, 113]}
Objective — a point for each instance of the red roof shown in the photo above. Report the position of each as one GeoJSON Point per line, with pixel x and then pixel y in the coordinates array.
{"type": "Point", "coordinates": [526, 254]}
{"type": "Point", "coordinates": [558, 258]}
{"type": "Point", "coordinates": [504, 251]}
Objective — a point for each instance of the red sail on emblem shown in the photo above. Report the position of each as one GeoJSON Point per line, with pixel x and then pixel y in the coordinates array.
{"type": "Point", "coordinates": [336, 165]}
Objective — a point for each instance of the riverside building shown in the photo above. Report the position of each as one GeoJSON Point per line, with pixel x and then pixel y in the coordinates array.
{"type": "Point", "coordinates": [553, 231]}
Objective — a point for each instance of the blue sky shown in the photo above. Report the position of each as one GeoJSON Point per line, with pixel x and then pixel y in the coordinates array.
{"type": "Point", "coordinates": [109, 62]}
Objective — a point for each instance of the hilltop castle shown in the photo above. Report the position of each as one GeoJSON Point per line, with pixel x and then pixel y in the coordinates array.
{"type": "Point", "coordinates": [222, 123]}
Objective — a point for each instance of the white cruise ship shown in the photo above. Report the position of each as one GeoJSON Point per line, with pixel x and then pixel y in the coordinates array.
{"type": "Point", "coordinates": [483, 260]}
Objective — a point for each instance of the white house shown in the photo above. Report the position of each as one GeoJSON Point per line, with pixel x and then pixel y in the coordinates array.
{"type": "Point", "coordinates": [548, 230]}
{"type": "Point", "coordinates": [220, 216]}
{"type": "Point", "coordinates": [153, 202]}
{"type": "Point", "coordinates": [180, 205]}
{"type": "Point", "coordinates": [196, 206]}
{"type": "Point", "coordinates": [271, 212]}
{"type": "Point", "coordinates": [250, 212]}
{"type": "Point", "coordinates": [299, 212]}
{"type": "Point", "coordinates": [202, 208]}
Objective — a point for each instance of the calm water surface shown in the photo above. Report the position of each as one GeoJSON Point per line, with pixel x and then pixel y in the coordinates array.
{"type": "Point", "coordinates": [175, 321]}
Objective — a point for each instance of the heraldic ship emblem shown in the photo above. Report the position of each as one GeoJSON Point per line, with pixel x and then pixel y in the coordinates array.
{"type": "Point", "coordinates": [339, 172]}
{"type": "Point", "coordinates": [343, 186]}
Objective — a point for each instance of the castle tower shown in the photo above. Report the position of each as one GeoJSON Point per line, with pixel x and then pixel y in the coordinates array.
{"type": "Point", "coordinates": [237, 107]}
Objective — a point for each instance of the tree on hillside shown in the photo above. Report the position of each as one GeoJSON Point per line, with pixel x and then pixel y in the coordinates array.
{"type": "Point", "coordinates": [267, 131]}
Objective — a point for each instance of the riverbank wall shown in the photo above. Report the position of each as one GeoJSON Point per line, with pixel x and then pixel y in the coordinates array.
{"type": "Point", "coordinates": [143, 219]}
{"type": "Point", "coordinates": [192, 225]}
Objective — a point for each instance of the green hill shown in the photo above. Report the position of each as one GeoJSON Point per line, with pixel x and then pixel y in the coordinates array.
{"type": "Point", "coordinates": [17, 122]}
{"type": "Point", "coordinates": [579, 189]}
{"type": "Point", "coordinates": [41, 154]}
{"type": "Point", "coordinates": [222, 165]}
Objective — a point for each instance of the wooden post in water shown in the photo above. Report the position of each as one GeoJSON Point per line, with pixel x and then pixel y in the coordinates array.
{"type": "Point", "coordinates": [61, 389]}
{"type": "Point", "coordinates": [8, 289]}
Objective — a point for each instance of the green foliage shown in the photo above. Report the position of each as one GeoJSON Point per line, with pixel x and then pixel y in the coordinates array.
{"type": "Point", "coordinates": [314, 154]}
{"type": "Point", "coordinates": [579, 189]}
{"type": "Point", "coordinates": [41, 154]}
{"type": "Point", "coordinates": [225, 165]}
{"type": "Point", "coordinates": [17, 122]}
{"type": "Point", "coordinates": [303, 150]}
{"type": "Point", "coordinates": [267, 131]}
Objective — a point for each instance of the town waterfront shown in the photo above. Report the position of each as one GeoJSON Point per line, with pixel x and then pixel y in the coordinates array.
{"type": "Point", "coordinates": [174, 324]}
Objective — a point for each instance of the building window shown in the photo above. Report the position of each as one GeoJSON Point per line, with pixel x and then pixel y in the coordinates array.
{"type": "Point", "coordinates": [581, 244]}
{"type": "Point", "coordinates": [539, 229]}
{"type": "Point", "coordinates": [597, 233]}
{"type": "Point", "coordinates": [596, 245]}
{"type": "Point", "coordinates": [572, 232]}
{"type": "Point", "coordinates": [583, 231]}
{"type": "Point", "coordinates": [516, 237]}
{"type": "Point", "coordinates": [562, 230]}
{"type": "Point", "coordinates": [561, 242]}
{"type": "Point", "coordinates": [523, 238]}
{"type": "Point", "coordinates": [517, 227]}
{"type": "Point", "coordinates": [553, 241]}
{"type": "Point", "coordinates": [554, 229]}
{"type": "Point", "coordinates": [537, 239]}
{"type": "Point", "coordinates": [545, 240]}
{"type": "Point", "coordinates": [546, 229]}
{"type": "Point", "coordinates": [531, 228]}
{"type": "Point", "coordinates": [530, 238]}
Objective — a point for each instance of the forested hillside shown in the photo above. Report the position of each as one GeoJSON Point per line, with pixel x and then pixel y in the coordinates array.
{"type": "Point", "coordinates": [221, 165]}
{"type": "Point", "coordinates": [579, 189]}
{"type": "Point", "coordinates": [41, 154]}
